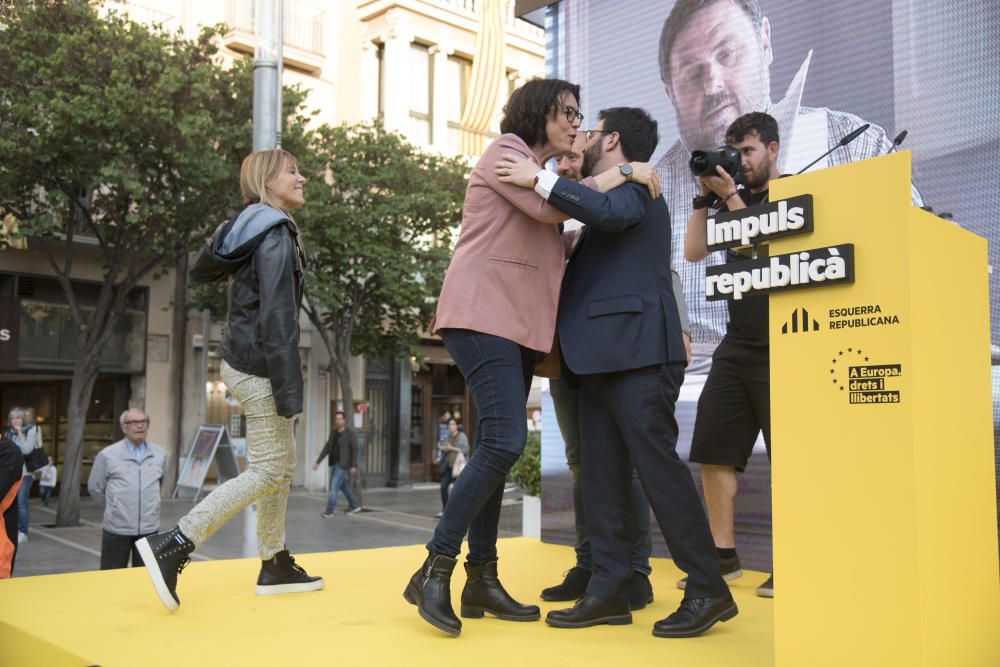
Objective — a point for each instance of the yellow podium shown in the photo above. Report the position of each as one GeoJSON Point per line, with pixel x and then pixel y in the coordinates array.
{"type": "Point", "coordinates": [884, 507]}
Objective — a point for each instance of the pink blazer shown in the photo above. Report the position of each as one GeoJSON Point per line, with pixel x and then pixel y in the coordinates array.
{"type": "Point", "coordinates": [505, 275]}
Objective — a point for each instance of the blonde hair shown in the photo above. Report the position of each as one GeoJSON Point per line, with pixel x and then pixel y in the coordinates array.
{"type": "Point", "coordinates": [258, 170]}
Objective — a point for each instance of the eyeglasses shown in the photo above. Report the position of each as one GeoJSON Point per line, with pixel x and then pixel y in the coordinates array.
{"type": "Point", "coordinates": [136, 422]}
{"type": "Point", "coordinates": [589, 134]}
{"type": "Point", "coordinates": [571, 113]}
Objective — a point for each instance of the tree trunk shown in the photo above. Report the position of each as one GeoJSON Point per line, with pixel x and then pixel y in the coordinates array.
{"type": "Point", "coordinates": [81, 389]}
{"type": "Point", "coordinates": [178, 352]}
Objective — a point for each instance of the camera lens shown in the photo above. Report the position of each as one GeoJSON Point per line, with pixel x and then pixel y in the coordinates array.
{"type": "Point", "coordinates": [699, 163]}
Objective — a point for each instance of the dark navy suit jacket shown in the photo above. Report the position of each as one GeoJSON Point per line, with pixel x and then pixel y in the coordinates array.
{"type": "Point", "coordinates": [617, 310]}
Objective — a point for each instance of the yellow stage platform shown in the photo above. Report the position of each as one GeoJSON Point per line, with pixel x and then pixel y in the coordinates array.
{"type": "Point", "coordinates": [359, 619]}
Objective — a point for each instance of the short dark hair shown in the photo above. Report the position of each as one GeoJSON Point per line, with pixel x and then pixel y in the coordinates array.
{"type": "Point", "coordinates": [530, 106]}
{"type": "Point", "coordinates": [755, 122]}
{"type": "Point", "coordinates": [637, 131]}
{"type": "Point", "coordinates": [341, 413]}
{"type": "Point", "coordinates": [682, 13]}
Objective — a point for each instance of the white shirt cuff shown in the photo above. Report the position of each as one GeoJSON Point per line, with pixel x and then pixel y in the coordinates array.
{"type": "Point", "coordinates": [546, 180]}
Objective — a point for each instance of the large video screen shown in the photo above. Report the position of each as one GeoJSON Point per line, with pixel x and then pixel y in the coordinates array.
{"type": "Point", "coordinates": [822, 69]}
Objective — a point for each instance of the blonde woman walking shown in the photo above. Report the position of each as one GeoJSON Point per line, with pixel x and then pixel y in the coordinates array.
{"type": "Point", "coordinates": [259, 253]}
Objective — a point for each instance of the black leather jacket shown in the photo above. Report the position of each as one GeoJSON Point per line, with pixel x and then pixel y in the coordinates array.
{"type": "Point", "coordinates": [259, 254]}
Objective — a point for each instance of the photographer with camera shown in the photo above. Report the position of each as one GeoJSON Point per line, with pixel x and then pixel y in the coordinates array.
{"type": "Point", "coordinates": [735, 403]}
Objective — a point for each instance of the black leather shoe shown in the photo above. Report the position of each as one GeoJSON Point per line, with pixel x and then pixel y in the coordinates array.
{"type": "Point", "coordinates": [695, 616]}
{"type": "Point", "coordinates": [573, 587]}
{"type": "Point", "coordinates": [590, 611]}
{"type": "Point", "coordinates": [165, 555]}
{"type": "Point", "coordinates": [430, 590]}
{"type": "Point", "coordinates": [640, 591]}
{"type": "Point", "coordinates": [484, 593]}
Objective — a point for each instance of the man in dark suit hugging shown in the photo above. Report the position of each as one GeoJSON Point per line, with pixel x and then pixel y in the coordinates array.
{"type": "Point", "coordinates": [620, 336]}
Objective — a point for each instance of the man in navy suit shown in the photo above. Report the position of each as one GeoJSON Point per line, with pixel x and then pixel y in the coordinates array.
{"type": "Point", "coordinates": [620, 336]}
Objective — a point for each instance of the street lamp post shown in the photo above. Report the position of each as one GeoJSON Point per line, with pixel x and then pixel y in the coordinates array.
{"type": "Point", "coordinates": [267, 74]}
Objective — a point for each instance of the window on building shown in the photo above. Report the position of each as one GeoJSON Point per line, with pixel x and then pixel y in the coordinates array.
{"type": "Point", "coordinates": [420, 83]}
{"type": "Point", "coordinates": [47, 334]}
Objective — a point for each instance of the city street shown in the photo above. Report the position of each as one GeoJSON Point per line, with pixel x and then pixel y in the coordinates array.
{"type": "Point", "coordinates": [392, 517]}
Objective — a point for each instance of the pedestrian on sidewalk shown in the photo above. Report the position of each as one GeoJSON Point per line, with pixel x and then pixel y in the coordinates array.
{"type": "Point", "coordinates": [47, 482]}
{"type": "Point", "coordinates": [456, 444]}
{"type": "Point", "coordinates": [126, 479]}
{"type": "Point", "coordinates": [342, 449]}
{"type": "Point", "coordinates": [260, 255]}
{"type": "Point", "coordinates": [27, 440]}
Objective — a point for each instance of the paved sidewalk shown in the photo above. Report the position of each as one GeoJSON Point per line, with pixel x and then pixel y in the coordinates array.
{"type": "Point", "coordinates": [392, 517]}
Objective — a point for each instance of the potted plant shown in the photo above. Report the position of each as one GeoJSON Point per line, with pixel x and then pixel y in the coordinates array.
{"type": "Point", "coordinates": [527, 474]}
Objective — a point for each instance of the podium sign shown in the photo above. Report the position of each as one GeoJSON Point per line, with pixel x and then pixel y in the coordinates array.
{"type": "Point", "coordinates": [884, 501]}
{"type": "Point", "coordinates": [211, 444]}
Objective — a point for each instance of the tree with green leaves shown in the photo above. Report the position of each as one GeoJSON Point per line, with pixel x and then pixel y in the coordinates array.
{"type": "Point", "coordinates": [377, 226]}
{"type": "Point", "coordinates": [121, 133]}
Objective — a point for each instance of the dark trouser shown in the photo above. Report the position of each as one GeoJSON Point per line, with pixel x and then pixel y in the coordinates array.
{"type": "Point", "coordinates": [46, 494]}
{"type": "Point", "coordinates": [628, 417]}
{"type": "Point", "coordinates": [498, 372]}
{"type": "Point", "coordinates": [566, 400]}
{"type": "Point", "coordinates": [23, 494]}
{"type": "Point", "coordinates": [116, 549]}
{"type": "Point", "coordinates": [446, 481]}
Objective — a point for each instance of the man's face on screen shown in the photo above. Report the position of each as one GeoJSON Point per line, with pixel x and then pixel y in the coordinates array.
{"type": "Point", "coordinates": [719, 70]}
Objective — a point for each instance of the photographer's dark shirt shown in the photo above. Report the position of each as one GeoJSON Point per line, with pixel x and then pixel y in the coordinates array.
{"type": "Point", "coordinates": [748, 316]}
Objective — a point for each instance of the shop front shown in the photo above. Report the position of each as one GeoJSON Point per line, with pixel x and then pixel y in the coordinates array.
{"type": "Point", "coordinates": [37, 351]}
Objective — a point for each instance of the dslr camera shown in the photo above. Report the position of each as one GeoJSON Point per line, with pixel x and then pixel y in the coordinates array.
{"type": "Point", "coordinates": [703, 163]}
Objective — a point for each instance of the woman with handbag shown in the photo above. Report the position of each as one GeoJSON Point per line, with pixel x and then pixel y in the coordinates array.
{"type": "Point", "coordinates": [457, 443]}
{"type": "Point", "coordinates": [28, 441]}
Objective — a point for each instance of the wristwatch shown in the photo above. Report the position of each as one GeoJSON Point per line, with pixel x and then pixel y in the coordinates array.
{"type": "Point", "coordinates": [626, 171]}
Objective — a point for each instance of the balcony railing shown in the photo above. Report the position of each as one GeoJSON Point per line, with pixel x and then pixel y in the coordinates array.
{"type": "Point", "coordinates": [303, 22]}
{"type": "Point", "coordinates": [139, 13]}
{"type": "Point", "coordinates": [514, 25]}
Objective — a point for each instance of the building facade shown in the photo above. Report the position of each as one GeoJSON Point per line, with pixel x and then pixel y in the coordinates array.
{"type": "Point", "coordinates": [408, 62]}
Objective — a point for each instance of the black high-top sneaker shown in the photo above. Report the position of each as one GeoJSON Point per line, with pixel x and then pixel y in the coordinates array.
{"type": "Point", "coordinates": [280, 574]}
{"type": "Point", "coordinates": [165, 555]}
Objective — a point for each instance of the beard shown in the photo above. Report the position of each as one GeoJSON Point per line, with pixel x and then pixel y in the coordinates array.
{"type": "Point", "coordinates": [758, 178]}
{"type": "Point", "coordinates": [591, 157]}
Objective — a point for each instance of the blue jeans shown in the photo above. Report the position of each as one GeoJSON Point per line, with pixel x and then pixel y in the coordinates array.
{"type": "Point", "coordinates": [339, 482]}
{"type": "Point", "coordinates": [498, 372]}
{"type": "Point", "coordinates": [22, 503]}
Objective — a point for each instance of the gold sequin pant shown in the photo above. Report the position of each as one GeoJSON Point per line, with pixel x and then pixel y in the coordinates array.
{"type": "Point", "coordinates": [268, 477]}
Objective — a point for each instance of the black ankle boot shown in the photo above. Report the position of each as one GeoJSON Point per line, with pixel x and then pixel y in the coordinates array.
{"type": "Point", "coordinates": [483, 592]}
{"type": "Point", "coordinates": [280, 574]}
{"type": "Point", "coordinates": [165, 555]}
{"type": "Point", "coordinates": [430, 590]}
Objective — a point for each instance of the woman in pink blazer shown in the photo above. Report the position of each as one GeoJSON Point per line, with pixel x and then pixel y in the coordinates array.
{"type": "Point", "coordinates": [496, 314]}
